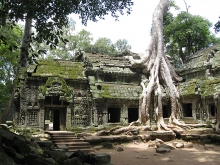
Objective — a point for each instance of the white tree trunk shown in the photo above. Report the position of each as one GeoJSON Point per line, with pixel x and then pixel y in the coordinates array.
{"type": "Point", "coordinates": [161, 72]}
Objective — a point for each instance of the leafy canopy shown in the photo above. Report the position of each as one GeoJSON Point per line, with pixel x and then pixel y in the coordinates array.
{"type": "Point", "coordinates": [51, 15]}
{"type": "Point", "coordinates": [186, 34]}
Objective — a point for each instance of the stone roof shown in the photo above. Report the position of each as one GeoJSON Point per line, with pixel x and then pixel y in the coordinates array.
{"type": "Point", "coordinates": [204, 87]}
{"type": "Point", "coordinates": [109, 64]}
{"type": "Point", "coordinates": [202, 73]}
{"type": "Point", "coordinates": [65, 69]}
{"type": "Point", "coordinates": [207, 58]}
{"type": "Point", "coordinates": [115, 91]}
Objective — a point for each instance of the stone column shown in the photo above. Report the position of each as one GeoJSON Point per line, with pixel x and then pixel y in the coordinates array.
{"type": "Point", "coordinates": [68, 116]}
{"type": "Point", "coordinates": [124, 113]}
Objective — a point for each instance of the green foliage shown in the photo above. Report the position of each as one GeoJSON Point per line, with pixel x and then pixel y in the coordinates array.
{"type": "Point", "coordinates": [121, 45]}
{"type": "Point", "coordinates": [5, 95]}
{"type": "Point", "coordinates": [50, 16]}
{"type": "Point", "coordinates": [8, 62]}
{"type": "Point", "coordinates": [217, 26]}
{"type": "Point", "coordinates": [185, 34]}
{"type": "Point", "coordinates": [104, 46]}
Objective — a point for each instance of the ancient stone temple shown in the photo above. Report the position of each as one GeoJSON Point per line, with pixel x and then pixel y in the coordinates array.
{"type": "Point", "coordinates": [93, 89]}
{"type": "Point", "coordinates": [200, 91]}
{"type": "Point", "coordinates": [96, 89]}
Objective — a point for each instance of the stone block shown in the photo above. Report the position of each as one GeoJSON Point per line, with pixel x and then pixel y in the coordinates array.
{"type": "Point", "coordinates": [203, 137]}
{"type": "Point", "coordinates": [209, 146]}
{"type": "Point", "coordinates": [100, 158]}
{"type": "Point", "coordinates": [106, 138]}
{"type": "Point", "coordinates": [188, 145]}
{"type": "Point", "coordinates": [162, 150]}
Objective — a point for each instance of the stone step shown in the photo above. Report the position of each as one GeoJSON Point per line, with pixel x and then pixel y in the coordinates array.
{"type": "Point", "coordinates": [63, 137]}
{"type": "Point", "coordinates": [64, 141]}
{"type": "Point", "coordinates": [78, 143]}
{"type": "Point", "coordinates": [86, 150]}
{"type": "Point", "coordinates": [54, 133]}
{"type": "Point", "coordinates": [69, 139]}
{"type": "Point", "coordinates": [78, 147]}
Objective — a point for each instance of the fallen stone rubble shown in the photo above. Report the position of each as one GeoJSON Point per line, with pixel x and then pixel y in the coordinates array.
{"type": "Point", "coordinates": [17, 150]}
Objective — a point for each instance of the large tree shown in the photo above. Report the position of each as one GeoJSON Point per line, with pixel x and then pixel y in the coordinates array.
{"type": "Point", "coordinates": [159, 74]}
{"type": "Point", "coordinates": [187, 34]}
{"type": "Point", "coordinates": [48, 17]}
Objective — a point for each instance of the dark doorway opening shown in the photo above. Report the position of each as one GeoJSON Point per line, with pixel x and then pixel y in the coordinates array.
{"type": "Point", "coordinates": [212, 111]}
{"type": "Point", "coordinates": [187, 110]}
{"type": "Point", "coordinates": [132, 114]}
{"type": "Point", "coordinates": [113, 115]}
{"type": "Point", "coordinates": [56, 120]}
{"type": "Point", "coordinates": [166, 111]}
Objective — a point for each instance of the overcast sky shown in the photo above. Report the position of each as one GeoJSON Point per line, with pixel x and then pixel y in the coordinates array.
{"type": "Point", "coordinates": [136, 26]}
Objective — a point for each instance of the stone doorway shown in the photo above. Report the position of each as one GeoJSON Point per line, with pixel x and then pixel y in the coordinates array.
{"type": "Point", "coordinates": [212, 111]}
{"type": "Point", "coordinates": [166, 111]}
{"type": "Point", "coordinates": [187, 110]}
{"type": "Point", "coordinates": [55, 113]}
{"type": "Point", "coordinates": [132, 114]}
{"type": "Point", "coordinates": [55, 119]}
{"type": "Point", "coordinates": [114, 115]}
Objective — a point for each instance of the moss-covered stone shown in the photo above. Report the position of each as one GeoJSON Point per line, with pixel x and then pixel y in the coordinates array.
{"type": "Point", "coordinates": [64, 69]}
{"type": "Point", "coordinates": [51, 80]}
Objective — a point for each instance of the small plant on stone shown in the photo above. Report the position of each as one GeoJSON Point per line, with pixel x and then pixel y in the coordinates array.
{"type": "Point", "coordinates": [124, 122]}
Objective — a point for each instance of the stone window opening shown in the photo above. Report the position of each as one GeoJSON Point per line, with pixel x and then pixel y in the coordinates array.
{"type": "Point", "coordinates": [187, 110]}
{"type": "Point", "coordinates": [33, 117]}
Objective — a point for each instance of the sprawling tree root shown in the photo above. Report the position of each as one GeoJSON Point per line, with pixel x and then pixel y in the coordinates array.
{"type": "Point", "coordinates": [161, 72]}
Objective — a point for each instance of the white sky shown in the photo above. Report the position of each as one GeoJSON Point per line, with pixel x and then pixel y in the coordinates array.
{"type": "Point", "coordinates": [136, 26]}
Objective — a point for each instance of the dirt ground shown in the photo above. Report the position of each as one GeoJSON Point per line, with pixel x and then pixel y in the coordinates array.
{"type": "Point", "coordinates": [140, 154]}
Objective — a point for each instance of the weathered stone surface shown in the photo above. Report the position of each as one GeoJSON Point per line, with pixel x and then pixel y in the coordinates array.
{"type": "Point", "coordinates": [159, 141]}
{"type": "Point", "coordinates": [209, 146]}
{"type": "Point", "coordinates": [178, 145]}
{"type": "Point", "coordinates": [162, 150]}
{"type": "Point", "coordinates": [38, 160]}
{"type": "Point", "coordinates": [203, 137]}
{"type": "Point", "coordinates": [58, 156]}
{"type": "Point", "coordinates": [45, 144]}
{"type": "Point", "coordinates": [145, 138]}
{"type": "Point", "coordinates": [152, 145]}
{"type": "Point", "coordinates": [100, 158]}
{"type": "Point", "coordinates": [18, 158]}
{"type": "Point", "coordinates": [163, 135]}
{"type": "Point", "coordinates": [5, 159]}
{"type": "Point", "coordinates": [165, 146]}
{"type": "Point", "coordinates": [81, 155]}
{"type": "Point", "coordinates": [119, 149]}
{"type": "Point", "coordinates": [188, 145]}
{"type": "Point", "coordinates": [19, 143]}
{"type": "Point", "coordinates": [73, 161]}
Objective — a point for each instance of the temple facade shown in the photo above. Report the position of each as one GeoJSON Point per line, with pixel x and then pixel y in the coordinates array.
{"type": "Point", "coordinates": [95, 89]}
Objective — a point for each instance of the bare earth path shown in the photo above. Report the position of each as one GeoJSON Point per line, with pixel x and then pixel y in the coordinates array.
{"type": "Point", "coordinates": [140, 154]}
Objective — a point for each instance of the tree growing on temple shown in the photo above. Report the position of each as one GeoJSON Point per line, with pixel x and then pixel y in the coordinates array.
{"type": "Point", "coordinates": [159, 74]}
